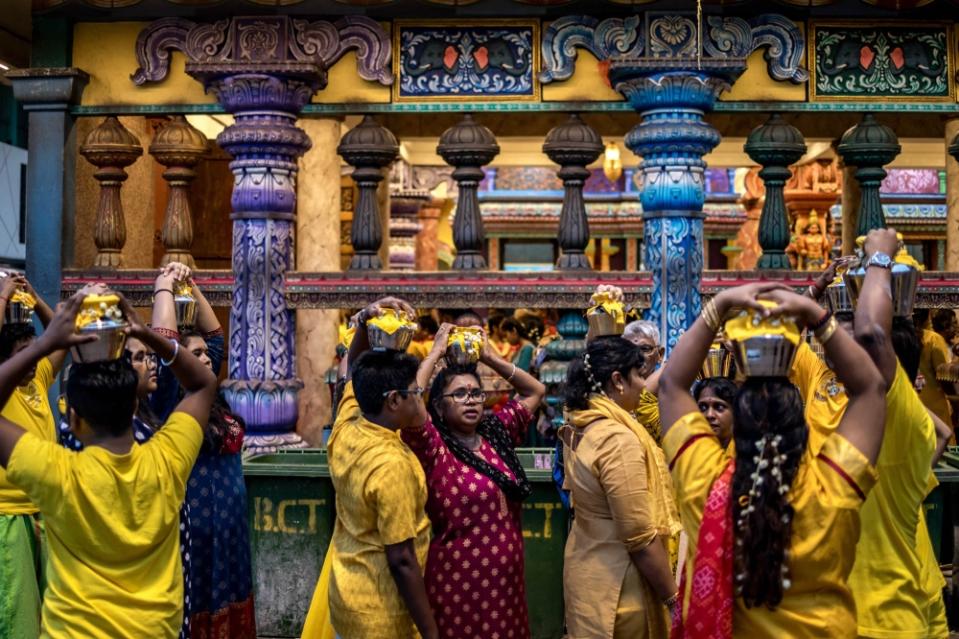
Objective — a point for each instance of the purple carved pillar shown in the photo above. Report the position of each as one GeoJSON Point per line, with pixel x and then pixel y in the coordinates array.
{"type": "Point", "coordinates": [263, 70]}
{"type": "Point", "coordinates": [265, 144]}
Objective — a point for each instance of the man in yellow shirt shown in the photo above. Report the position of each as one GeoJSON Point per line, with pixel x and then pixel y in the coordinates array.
{"type": "Point", "coordinates": [381, 524]}
{"type": "Point", "coordinates": [895, 580]}
{"type": "Point", "coordinates": [112, 510]}
{"type": "Point", "coordinates": [21, 566]}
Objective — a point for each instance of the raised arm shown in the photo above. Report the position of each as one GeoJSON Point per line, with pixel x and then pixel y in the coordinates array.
{"type": "Point", "coordinates": [60, 335]}
{"type": "Point", "coordinates": [679, 373]}
{"type": "Point", "coordinates": [425, 372]}
{"type": "Point", "coordinates": [198, 381]}
{"type": "Point", "coordinates": [864, 420]}
{"type": "Point", "coordinates": [44, 313]}
{"type": "Point", "coordinates": [361, 339]}
{"type": "Point", "coordinates": [826, 277]}
{"type": "Point", "coordinates": [874, 308]}
{"type": "Point", "coordinates": [164, 307]}
{"type": "Point", "coordinates": [529, 390]}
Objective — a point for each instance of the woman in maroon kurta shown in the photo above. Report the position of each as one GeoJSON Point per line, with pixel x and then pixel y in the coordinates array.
{"type": "Point", "coordinates": [474, 571]}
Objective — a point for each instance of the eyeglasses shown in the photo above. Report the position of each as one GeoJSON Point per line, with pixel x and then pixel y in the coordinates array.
{"type": "Point", "coordinates": [416, 392]}
{"type": "Point", "coordinates": [461, 396]}
{"type": "Point", "coordinates": [646, 349]}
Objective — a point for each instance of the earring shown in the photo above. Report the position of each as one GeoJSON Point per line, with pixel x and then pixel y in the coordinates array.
{"type": "Point", "coordinates": [619, 389]}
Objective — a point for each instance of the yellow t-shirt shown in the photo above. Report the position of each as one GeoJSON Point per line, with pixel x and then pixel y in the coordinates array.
{"type": "Point", "coordinates": [826, 494]}
{"type": "Point", "coordinates": [934, 353]}
{"type": "Point", "coordinates": [891, 601]}
{"type": "Point", "coordinates": [28, 408]}
{"type": "Point", "coordinates": [113, 528]}
{"type": "Point", "coordinates": [896, 575]}
{"type": "Point", "coordinates": [823, 394]}
{"type": "Point", "coordinates": [380, 501]}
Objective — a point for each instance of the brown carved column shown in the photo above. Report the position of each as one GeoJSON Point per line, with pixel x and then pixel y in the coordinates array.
{"type": "Point", "coordinates": [110, 148]}
{"type": "Point", "coordinates": [573, 145]}
{"type": "Point", "coordinates": [178, 146]}
{"type": "Point", "coordinates": [468, 146]}
{"type": "Point", "coordinates": [368, 148]}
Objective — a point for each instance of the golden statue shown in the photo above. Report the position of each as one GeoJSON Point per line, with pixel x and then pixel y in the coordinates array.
{"type": "Point", "coordinates": [812, 246]}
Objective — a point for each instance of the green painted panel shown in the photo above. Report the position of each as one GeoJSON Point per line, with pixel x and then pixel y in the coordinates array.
{"type": "Point", "coordinates": [292, 512]}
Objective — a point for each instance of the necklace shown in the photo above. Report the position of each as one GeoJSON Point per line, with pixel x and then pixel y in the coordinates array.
{"type": "Point", "coordinates": [473, 442]}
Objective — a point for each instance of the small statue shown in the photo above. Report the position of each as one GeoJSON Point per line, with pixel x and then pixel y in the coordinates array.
{"type": "Point", "coordinates": [813, 246]}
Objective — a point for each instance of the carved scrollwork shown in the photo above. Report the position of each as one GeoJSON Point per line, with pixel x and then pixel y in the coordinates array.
{"type": "Point", "coordinates": [674, 37]}
{"type": "Point", "coordinates": [615, 36]}
{"type": "Point", "coordinates": [270, 39]}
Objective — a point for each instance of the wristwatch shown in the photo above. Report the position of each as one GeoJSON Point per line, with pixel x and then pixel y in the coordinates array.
{"type": "Point", "coordinates": [879, 259]}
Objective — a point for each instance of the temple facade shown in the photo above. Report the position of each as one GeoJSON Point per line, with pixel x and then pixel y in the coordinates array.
{"type": "Point", "coordinates": [308, 157]}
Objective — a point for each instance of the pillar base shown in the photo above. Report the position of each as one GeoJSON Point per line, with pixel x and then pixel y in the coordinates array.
{"type": "Point", "coordinates": [469, 262]}
{"type": "Point", "coordinates": [269, 408]}
{"type": "Point", "coordinates": [261, 444]}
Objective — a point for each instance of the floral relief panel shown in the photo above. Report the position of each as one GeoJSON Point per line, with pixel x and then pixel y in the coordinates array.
{"type": "Point", "coordinates": [446, 61]}
{"type": "Point", "coordinates": [853, 61]}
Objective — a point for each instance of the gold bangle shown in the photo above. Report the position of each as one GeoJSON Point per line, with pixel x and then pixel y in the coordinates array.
{"type": "Point", "coordinates": [825, 333]}
{"type": "Point", "coordinates": [711, 316]}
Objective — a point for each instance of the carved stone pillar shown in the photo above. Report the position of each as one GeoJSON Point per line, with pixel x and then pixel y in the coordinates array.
{"type": "Point", "coordinates": [672, 140]}
{"type": "Point", "coordinates": [775, 145]}
{"type": "Point", "coordinates": [263, 70]}
{"type": "Point", "coordinates": [368, 148]}
{"type": "Point", "coordinates": [573, 145]}
{"type": "Point", "coordinates": [110, 148]}
{"type": "Point", "coordinates": [869, 146]}
{"type": "Point", "coordinates": [47, 94]}
{"type": "Point", "coordinates": [178, 146]}
{"type": "Point", "coordinates": [467, 147]}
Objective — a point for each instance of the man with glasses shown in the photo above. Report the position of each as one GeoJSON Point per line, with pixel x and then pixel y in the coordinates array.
{"type": "Point", "coordinates": [381, 523]}
{"type": "Point", "coordinates": [645, 335]}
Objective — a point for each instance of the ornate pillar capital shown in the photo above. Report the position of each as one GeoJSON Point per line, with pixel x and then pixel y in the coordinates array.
{"type": "Point", "coordinates": [48, 89]}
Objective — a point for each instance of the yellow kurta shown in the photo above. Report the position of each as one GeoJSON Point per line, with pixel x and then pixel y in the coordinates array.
{"type": "Point", "coordinates": [380, 501]}
{"type": "Point", "coordinates": [824, 532]}
{"type": "Point", "coordinates": [934, 353]}
{"type": "Point", "coordinates": [621, 493]}
{"type": "Point", "coordinates": [896, 580]}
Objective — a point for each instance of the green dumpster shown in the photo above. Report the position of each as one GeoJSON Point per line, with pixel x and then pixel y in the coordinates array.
{"type": "Point", "coordinates": [291, 522]}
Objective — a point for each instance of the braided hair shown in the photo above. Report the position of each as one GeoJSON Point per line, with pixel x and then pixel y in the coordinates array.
{"type": "Point", "coordinates": [490, 428]}
{"type": "Point", "coordinates": [770, 436]}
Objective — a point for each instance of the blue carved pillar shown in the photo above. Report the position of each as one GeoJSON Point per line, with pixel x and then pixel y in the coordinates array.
{"type": "Point", "coordinates": [263, 71]}
{"type": "Point", "coordinates": [672, 140]}
{"type": "Point", "coordinates": [671, 69]}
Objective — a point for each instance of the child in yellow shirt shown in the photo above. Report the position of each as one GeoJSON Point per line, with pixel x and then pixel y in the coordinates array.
{"type": "Point", "coordinates": [111, 510]}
